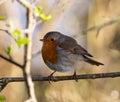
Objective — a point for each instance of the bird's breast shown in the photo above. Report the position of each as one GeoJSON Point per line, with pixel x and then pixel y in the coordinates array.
{"type": "Point", "coordinates": [49, 53]}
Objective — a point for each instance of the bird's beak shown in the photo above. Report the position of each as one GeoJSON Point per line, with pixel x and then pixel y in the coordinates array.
{"type": "Point", "coordinates": [42, 40]}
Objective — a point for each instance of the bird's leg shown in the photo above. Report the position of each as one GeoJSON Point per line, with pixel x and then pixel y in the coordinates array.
{"type": "Point", "coordinates": [74, 76]}
{"type": "Point", "coordinates": [50, 76]}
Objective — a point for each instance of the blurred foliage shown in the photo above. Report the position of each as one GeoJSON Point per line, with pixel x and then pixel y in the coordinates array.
{"type": "Point", "coordinates": [2, 98]}
{"type": "Point", "coordinates": [20, 40]}
{"type": "Point", "coordinates": [9, 49]}
{"type": "Point", "coordinates": [2, 18]}
{"type": "Point", "coordinates": [16, 32]}
{"type": "Point", "coordinates": [39, 12]}
{"type": "Point", "coordinates": [8, 25]}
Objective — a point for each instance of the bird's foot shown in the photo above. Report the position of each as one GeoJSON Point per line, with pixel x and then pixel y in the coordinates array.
{"type": "Point", "coordinates": [50, 77]}
{"type": "Point", "coordinates": [75, 77]}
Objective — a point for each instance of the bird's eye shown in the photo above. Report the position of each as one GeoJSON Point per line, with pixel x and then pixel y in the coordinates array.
{"type": "Point", "coordinates": [52, 39]}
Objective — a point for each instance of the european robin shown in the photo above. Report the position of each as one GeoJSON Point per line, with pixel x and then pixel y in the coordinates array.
{"type": "Point", "coordinates": [61, 52]}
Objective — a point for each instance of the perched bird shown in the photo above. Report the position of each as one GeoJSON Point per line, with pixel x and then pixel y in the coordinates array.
{"type": "Point", "coordinates": [61, 53]}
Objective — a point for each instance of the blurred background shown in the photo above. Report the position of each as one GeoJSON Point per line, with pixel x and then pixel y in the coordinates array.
{"type": "Point", "coordinates": [70, 17]}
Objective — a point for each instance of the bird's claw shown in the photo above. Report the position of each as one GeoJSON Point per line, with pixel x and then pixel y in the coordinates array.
{"type": "Point", "coordinates": [50, 77]}
{"type": "Point", "coordinates": [75, 77]}
{"type": "Point", "coordinates": [3, 83]}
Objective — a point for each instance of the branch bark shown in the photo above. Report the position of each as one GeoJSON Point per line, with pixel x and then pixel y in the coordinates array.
{"type": "Point", "coordinates": [11, 61]}
{"type": "Point", "coordinates": [6, 80]}
{"type": "Point", "coordinates": [28, 51]}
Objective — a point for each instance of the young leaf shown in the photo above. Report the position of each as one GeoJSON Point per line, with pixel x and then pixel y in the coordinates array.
{"type": "Point", "coordinates": [44, 17]}
{"type": "Point", "coordinates": [2, 18]}
{"type": "Point", "coordinates": [20, 41]}
{"type": "Point", "coordinates": [16, 32]}
{"type": "Point", "coordinates": [25, 40]}
{"type": "Point", "coordinates": [38, 10]}
{"type": "Point", "coordinates": [9, 50]}
{"type": "Point", "coordinates": [8, 25]}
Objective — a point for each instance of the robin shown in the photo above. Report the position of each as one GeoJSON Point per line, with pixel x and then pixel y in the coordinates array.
{"type": "Point", "coordinates": [61, 53]}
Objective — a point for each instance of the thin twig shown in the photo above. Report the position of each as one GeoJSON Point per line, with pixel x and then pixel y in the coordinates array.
{"type": "Point", "coordinates": [24, 3]}
{"type": "Point", "coordinates": [105, 24]}
{"type": "Point", "coordinates": [11, 61]}
{"type": "Point", "coordinates": [6, 31]}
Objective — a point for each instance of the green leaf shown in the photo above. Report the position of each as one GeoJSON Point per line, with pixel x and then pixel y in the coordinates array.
{"type": "Point", "coordinates": [8, 25]}
{"type": "Point", "coordinates": [38, 10]}
{"type": "Point", "coordinates": [16, 32]}
{"type": "Point", "coordinates": [39, 13]}
{"type": "Point", "coordinates": [20, 41]}
{"type": "Point", "coordinates": [2, 18]}
{"type": "Point", "coordinates": [9, 50]}
{"type": "Point", "coordinates": [2, 98]}
{"type": "Point", "coordinates": [45, 17]}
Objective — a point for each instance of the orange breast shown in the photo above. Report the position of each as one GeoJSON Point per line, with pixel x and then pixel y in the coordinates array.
{"type": "Point", "coordinates": [49, 52]}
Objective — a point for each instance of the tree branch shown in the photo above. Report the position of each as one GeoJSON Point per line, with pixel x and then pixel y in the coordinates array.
{"type": "Point", "coordinates": [28, 51]}
{"type": "Point", "coordinates": [11, 61]}
{"type": "Point", "coordinates": [6, 31]}
{"type": "Point", "coordinates": [105, 24]}
{"type": "Point", "coordinates": [4, 81]}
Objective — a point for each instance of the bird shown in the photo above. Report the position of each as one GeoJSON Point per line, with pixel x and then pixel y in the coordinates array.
{"type": "Point", "coordinates": [61, 53]}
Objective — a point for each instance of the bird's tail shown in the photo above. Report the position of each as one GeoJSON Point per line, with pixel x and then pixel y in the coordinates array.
{"type": "Point", "coordinates": [91, 61]}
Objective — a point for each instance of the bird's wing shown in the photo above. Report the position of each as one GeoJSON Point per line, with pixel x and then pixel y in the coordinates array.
{"type": "Point", "coordinates": [80, 50]}
{"type": "Point", "coordinates": [68, 43]}
{"type": "Point", "coordinates": [71, 45]}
